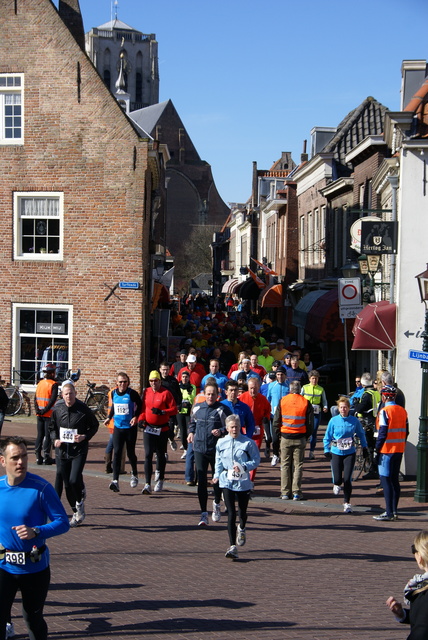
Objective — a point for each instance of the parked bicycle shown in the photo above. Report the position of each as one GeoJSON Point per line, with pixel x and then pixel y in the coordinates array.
{"type": "Point", "coordinates": [96, 399]}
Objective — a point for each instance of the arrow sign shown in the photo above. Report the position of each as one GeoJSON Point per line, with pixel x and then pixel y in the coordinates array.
{"type": "Point", "coordinates": [129, 285]}
{"type": "Point", "coordinates": [418, 355]}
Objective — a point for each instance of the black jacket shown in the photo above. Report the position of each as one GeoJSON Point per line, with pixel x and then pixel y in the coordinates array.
{"type": "Point", "coordinates": [417, 617]}
{"type": "Point", "coordinates": [205, 418]}
{"type": "Point", "coordinates": [79, 416]}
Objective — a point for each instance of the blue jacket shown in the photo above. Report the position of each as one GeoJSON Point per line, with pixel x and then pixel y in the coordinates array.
{"type": "Point", "coordinates": [339, 428]}
{"type": "Point", "coordinates": [230, 450]}
{"type": "Point", "coordinates": [245, 414]}
{"type": "Point", "coordinates": [275, 392]}
{"type": "Point", "coordinates": [221, 379]}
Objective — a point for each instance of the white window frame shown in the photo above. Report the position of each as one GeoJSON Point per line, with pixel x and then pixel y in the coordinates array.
{"type": "Point", "coordinates": [11, 90]}
{"type": "Point", "coordinates": [302, 241]}
{"type": "Point", "coordinates": [16, 335]}
{"type": "Point", "coordinates": [18, 253]}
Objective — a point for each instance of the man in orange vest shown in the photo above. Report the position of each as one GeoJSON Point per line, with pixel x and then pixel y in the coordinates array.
{"type": "Point", "coordinates": [294, 422]}
{"type": "Point", "coordinates": [393, 429]}
{"type": "Point", "coordinates": [44, 400]}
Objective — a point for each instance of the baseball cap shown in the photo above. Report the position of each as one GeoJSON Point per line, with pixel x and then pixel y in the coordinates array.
{"type": "Point", "coordinates": [191, 358]}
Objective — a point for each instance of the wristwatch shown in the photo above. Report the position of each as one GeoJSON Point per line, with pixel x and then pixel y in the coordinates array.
{"type": "Point", "coordinates": [36, 530]}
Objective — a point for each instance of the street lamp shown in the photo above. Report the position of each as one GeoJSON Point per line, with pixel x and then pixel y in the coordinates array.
{"type": "Point", "coordinates": [421, 493]}
{"type": "Point", "coordinates": [350, 269]}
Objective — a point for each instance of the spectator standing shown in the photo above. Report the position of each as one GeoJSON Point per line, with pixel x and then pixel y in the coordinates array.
{"type": "Point", "coordinates": [315, 394]}
{"type": "Point", "coordinates": [293, 421]}
{"type": "Point", "coordinates": [44, 401]}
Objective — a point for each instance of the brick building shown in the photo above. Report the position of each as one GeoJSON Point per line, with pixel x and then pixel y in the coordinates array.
{"type": "Point", "coordinates": [76, 195]}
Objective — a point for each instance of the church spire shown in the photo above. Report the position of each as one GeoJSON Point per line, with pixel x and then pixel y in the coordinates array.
{"type": "Point", "coordinates": [69, 10]}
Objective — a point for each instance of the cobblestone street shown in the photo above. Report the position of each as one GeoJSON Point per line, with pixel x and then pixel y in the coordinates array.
{"type": "Point", "coordinates": [139, 566]}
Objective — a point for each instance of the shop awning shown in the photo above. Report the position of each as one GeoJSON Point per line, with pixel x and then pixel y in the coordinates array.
{"type": "Point", "coordinates": [249, 290]}
{"type": "Point", "coordinates": [272, 297]}
{"type": "Point", "coordinates": [375, 327]}
{"type": "Point", "coordinates": [226, 286]}
{"type": "Point", "coordinates": [236, 286]}
{"type": "Point", "coordinates": [318, 314]}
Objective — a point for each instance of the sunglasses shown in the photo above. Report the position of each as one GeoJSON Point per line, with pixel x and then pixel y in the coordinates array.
{"type": "Point", "coordinates": [414, 550]}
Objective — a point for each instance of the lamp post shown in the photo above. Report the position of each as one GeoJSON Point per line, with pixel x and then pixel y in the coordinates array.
{"type": "Point", "coordinates": [421, 493]}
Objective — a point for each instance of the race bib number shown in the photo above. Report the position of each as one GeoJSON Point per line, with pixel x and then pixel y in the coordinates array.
{"type": "Point", "coordinates": [67, 435]}
{"type": "Point", "coordinates": [256, 431]}
{"type": "Point", "coordinates": [316, 408]}
{"type": "Point", "coordinates": [345, 443]}
{"type": "Point", "coordinates": [15, 557]}
{"type": "Point", "coordinates": [233, 474]}
{"type": "Point", "coordinates": [121, 409]}
{"type": "Point", "coordinates": [153, 430]}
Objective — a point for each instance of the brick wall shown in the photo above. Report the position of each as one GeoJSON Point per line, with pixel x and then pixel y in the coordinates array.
{"type": "Point", "coordinates": [77, 141]}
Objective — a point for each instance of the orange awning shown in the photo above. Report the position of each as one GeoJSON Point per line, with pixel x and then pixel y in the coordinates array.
{"type": "Point", "coordinates": [272, 297]}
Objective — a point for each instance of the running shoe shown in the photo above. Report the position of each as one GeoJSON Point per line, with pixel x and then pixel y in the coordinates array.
{"type": "Point", "coordinates": [203, 522]}
{"type": "Point", "coordinates": [384, 516]}
{"type": "Point", "coordinates": [158, 485]}
{"type": "Point", "coordinates": [147, 489]}
{"type": "Point", "coordinates": [133, 482]}
{"type": "Point", "coordinates": [267, 452]}
{"type": "Point", "coordinates": [347, 508]}
{"type": "Point", "coordinates": [76, 521]}
{"type": "Point", "coordinates": [114, 486]}
{"type": "Point", "coordinates": [241, 537]}
{"type": "Point", "coordinates": [216, 514]}
{"type": "Point", "coordinates": [183, 455]}
{"type": "Point", "coordinates": [173, 445]}
{"type": "Point", "coordinates": [275, 460]}
{"type": "Point", "coordinates": [10, 630]}
{"type": "Point", "coordinates": [285, 496]}
{"type": "Point", "coordinates": [297, 496]}
{"type": "Point", "coordinates": [80, 510]}
{"type": "Point", "coordinates": [311, 455]}
{"type": "Point", "coordinates": [232, 552]}
{"type": "Point", "coordinates": [336, 489]}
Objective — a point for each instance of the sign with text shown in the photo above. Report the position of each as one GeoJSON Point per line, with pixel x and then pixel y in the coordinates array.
{"type": "Point", "coordinates": [129, 285]}
{"type": "Point", "coordinates": [378, 237]}
{"type": "Point", "coordinates": [418, 355]}
{"type": "Point", "coordinates": [349, 292]}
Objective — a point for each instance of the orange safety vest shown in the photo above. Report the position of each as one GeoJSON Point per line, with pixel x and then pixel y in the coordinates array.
{"type": "Point", "coordinates": [293, 412]}
{"type": "Point", "coordinates": [44, 394]}
{"type": "Point", "coordinates": [110, 425]}
{"type": "Point", "coordinates": [396, 435]}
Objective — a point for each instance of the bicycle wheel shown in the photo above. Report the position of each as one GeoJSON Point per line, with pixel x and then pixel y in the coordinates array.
{"type": "Point", "coordinates": [14, 405]}
{"type": "Point", "coordinates": [359, 462]}
{"type": "Point", "coordinates": [98, 402]}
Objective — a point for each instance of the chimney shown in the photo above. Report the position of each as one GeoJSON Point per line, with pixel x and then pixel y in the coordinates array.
{"type": "Point", "coordinates": [304, 156]}
{"type": "Point", "coordinates": [69, 11]}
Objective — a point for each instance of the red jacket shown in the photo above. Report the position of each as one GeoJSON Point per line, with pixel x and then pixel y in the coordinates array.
{"type": "Point", "coordinates": [195, 376]}
{"type": "Point", "coordinates": [260, 406]}
{"type": "Point", "coordinates": [161, 399]}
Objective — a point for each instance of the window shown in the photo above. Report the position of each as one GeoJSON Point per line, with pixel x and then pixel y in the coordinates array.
{"type": "Point", "coordinates": [322, 233]}
{"type": "Point", "coordinates": [11, 99]}
{"type": "Point", "coordinates": [302, 241]}
{"type": "Point", "coordinates": [42, 334]}
{"type": "Point", "coordinates": [38, 226]}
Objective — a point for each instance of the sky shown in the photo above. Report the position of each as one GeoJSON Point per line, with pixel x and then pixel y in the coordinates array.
{"type": "Point", "coordinates": [250, 79]}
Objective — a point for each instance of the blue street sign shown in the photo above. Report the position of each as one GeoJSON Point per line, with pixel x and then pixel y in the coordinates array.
{"type": "Point", "coordinates": [418, 355]}
{"type": "Point", "coordinates": [129, 285]}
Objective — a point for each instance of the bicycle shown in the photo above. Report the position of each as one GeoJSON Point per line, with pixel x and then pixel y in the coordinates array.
{"type": "Point", "coordinates": [17, 398]}
{"type": "Point", "coordinates": [362, 464]}
{"type": "Point", "coordinates": [96, 400]}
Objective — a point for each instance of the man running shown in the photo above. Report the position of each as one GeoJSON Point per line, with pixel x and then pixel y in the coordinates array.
{"type": "Point", "coordinates": [30, 513]}
{"type": "Point", "coordinates": [73, 425]}
{"type": "Point", "coordinates": [125, 405]}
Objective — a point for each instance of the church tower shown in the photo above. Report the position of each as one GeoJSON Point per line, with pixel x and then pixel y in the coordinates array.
{"type": "Point", "coordinates": [115, 47]}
